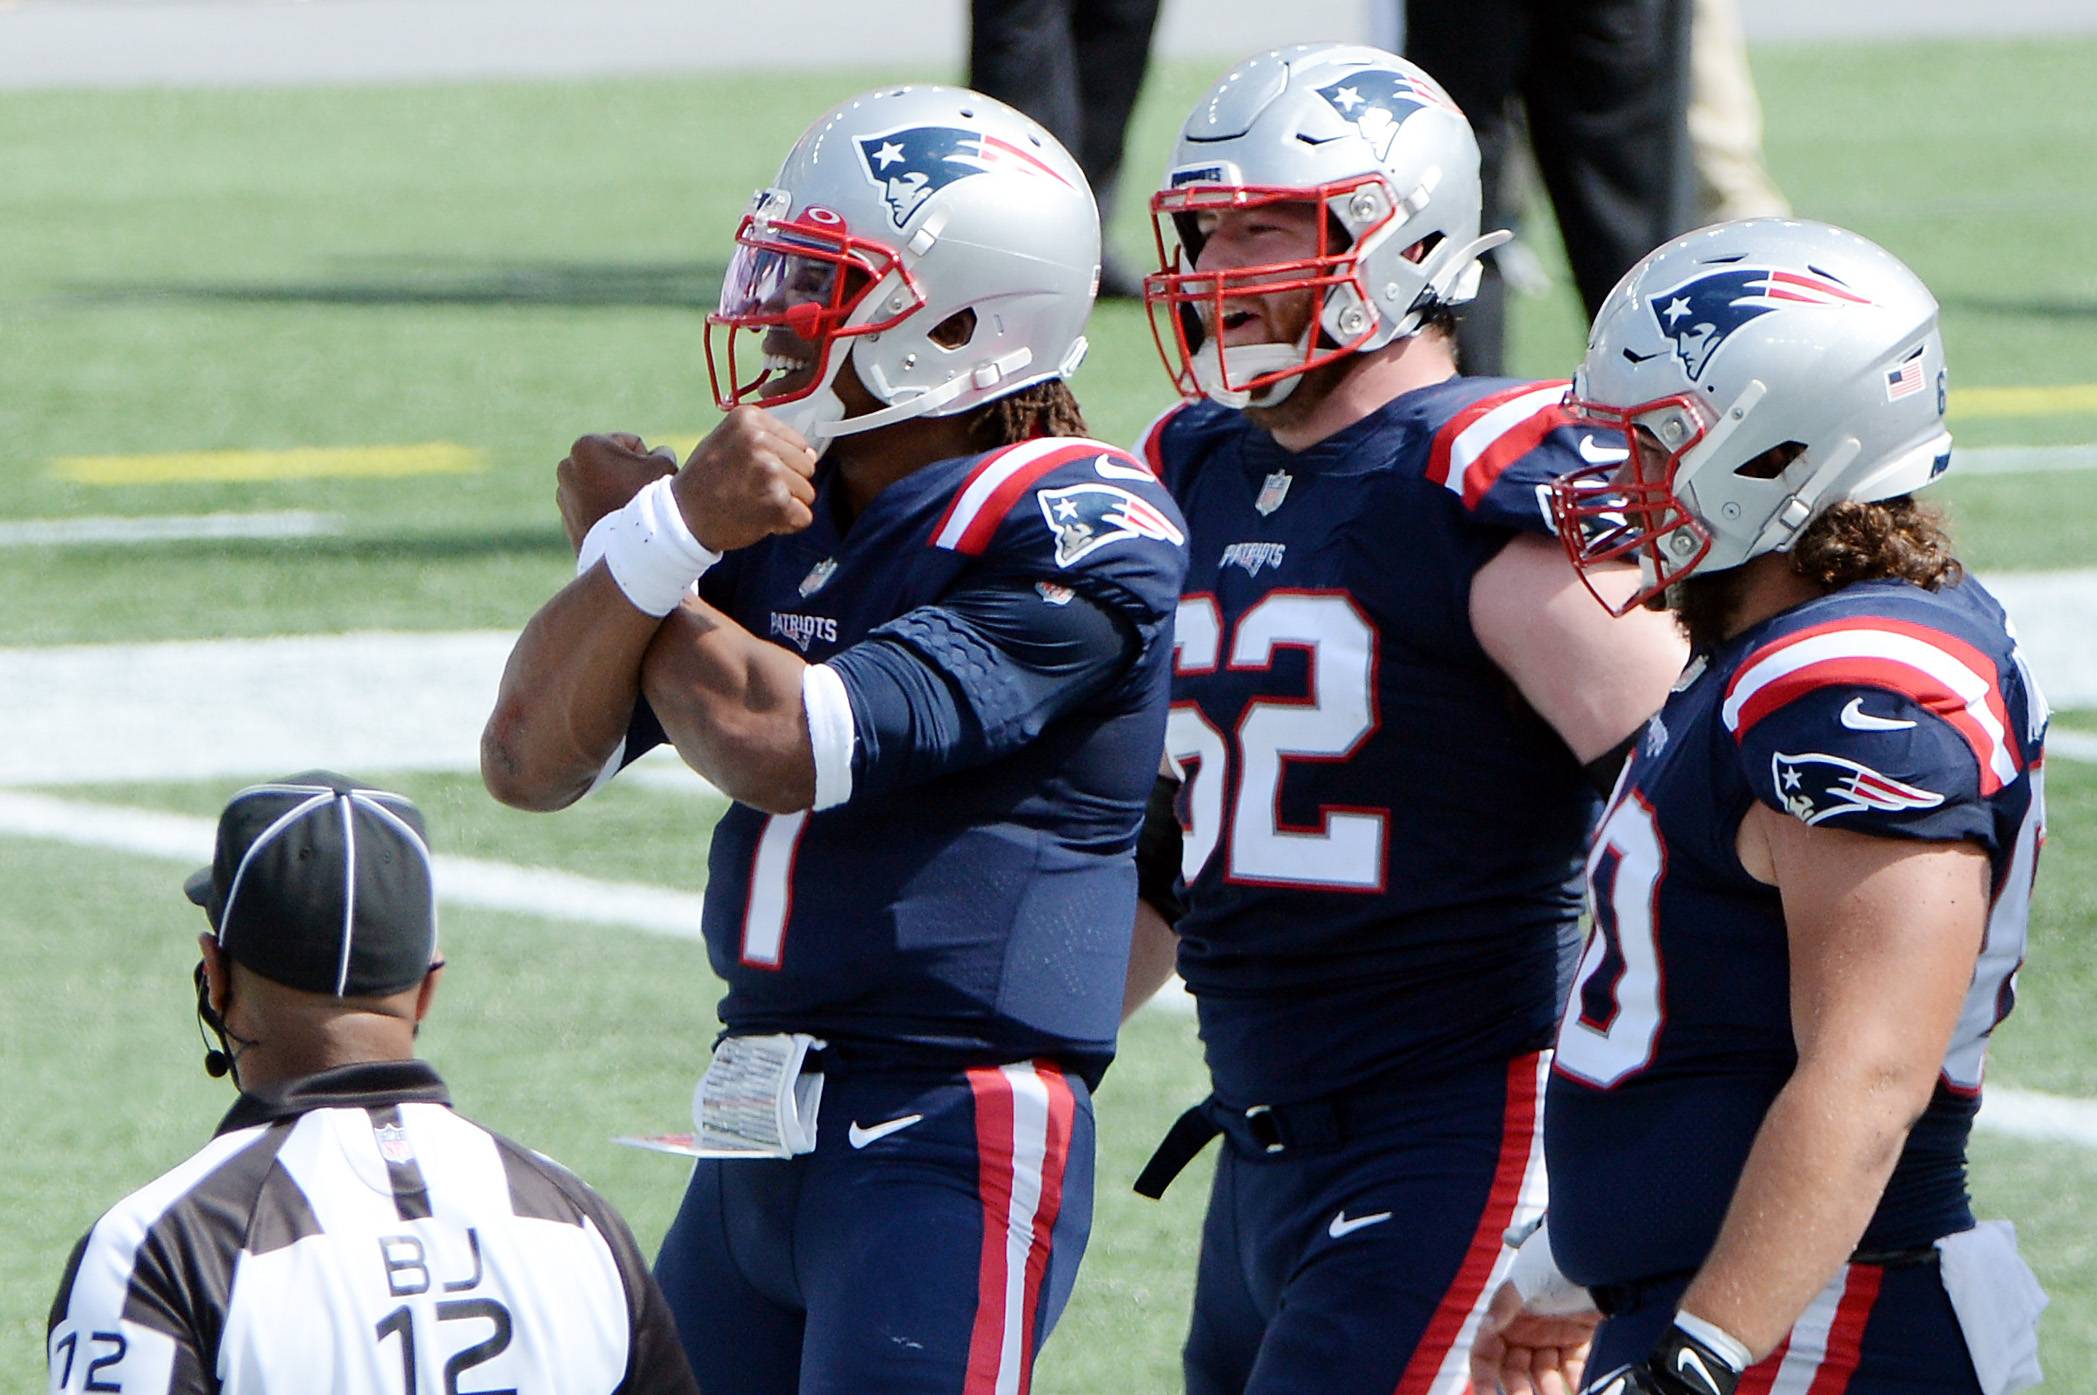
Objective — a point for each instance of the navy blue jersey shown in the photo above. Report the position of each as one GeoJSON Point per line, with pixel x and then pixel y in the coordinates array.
{"type": "Point", "coordinates": [1382, 839]}
{"type": "Point", "coordinates": [972, 902]}
{"type": "Point", "coordinates": [1882, 709]}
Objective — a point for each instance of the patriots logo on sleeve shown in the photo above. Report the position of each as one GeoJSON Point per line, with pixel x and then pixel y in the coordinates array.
{"type": "Point", "coordinates": [1377, 101]}
{"type": "Point", "coordinates": [911, 164]}
{"type": "Point", "coordinates": [1701, 314]}
{"type": "Point", "coordinates": [1086, 517]}
{"type": "Point", "coordinates": [1815, 787]}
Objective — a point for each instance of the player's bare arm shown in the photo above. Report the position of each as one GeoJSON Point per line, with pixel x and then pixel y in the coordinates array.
{"type": "Point", "coordinates": [1593, 678]}
{"type": "Point", "coordinates": [1883, 935]}
{"type": "Point", "coordinates": [731, 704]}
{"type": "Point", "coordinates": [569, 688]}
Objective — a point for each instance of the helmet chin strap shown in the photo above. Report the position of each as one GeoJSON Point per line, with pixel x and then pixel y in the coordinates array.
{"type": "Point", "coordinates": [1258, 358]}
{"type": "Point", "coordinates": [820, 416]}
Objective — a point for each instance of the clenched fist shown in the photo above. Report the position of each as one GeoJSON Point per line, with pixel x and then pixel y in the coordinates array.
{"type": "Point", "coordinates": [600, 473]}
{"type": "Point", "coordinates": [751, 477]}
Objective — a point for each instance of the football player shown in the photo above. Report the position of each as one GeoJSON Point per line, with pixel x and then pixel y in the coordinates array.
{"type": "Point", "coordinates": [928, 659]}
{"type": "Point", "coordinates": [1810, 888]}
{"type": "Point", "coordinates": [1392, 701]}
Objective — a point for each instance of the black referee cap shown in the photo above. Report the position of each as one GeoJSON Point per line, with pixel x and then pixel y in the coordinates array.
{"type": "Point", "coordinates": [321, 883]}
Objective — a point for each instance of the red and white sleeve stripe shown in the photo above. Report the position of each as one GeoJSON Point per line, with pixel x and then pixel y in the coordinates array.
{"type": "Point", "coordinates": [1935, 670]}
{"type": "Point", "coordinates": [1023, 1127]}
{"type": "Point", "coordinates": [1476, 445]}
{"type": "Point", "coordinates": [1000, 480]}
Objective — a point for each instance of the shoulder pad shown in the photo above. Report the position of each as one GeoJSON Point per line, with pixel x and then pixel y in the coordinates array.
{"type": "Point", "coordinates": [1849, 688]}
{"type": "Point", "coordinates": [1477, 445]}
{"type": "Point", "coordinates": [1064, 506]}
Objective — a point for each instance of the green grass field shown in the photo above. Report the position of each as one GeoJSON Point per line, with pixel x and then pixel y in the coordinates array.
{"type": "Point", "coordinates": [502, 267]}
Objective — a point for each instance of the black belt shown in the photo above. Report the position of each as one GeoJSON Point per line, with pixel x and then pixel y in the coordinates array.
{"type": "Point", "coordinates": [1259, 1128]}
{"type": "Point", "coordinates": [1620, 1298]}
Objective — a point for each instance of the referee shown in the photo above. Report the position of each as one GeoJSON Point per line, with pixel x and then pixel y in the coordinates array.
{"type": "Point", "coordinates": [344, 1230]}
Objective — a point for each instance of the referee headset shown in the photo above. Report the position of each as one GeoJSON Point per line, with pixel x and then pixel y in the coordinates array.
{"type": "Point", "coordinates": [339, 874]}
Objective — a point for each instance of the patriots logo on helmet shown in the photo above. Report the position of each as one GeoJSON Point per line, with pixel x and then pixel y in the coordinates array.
{"type": "Point", "coordinates": [1086, 517]}
{"type": "Point", "coordinates": [1377, 101]}
{"type": "Point", "coordinates": [912, 163]}
{"type": "Point", "coordinates": [1702, 312]}
{"type": "Point", "coordinates": [1816, 787]}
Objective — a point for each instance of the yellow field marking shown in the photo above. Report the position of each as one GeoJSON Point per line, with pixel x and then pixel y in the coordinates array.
{"type": "Point", "coordinates": [298, 463]}
{"type": "Point", "coordinates": [2063, 400]}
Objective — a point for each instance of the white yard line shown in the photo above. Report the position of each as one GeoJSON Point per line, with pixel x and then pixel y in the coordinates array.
{"type": "Point", "coordinates": [2022, 460]}
{"type": "Point", "coordinates": [60, 532]}
{"type": "Point", "coordinates": [482, 884]}
{"type": "Point", "coordinates": [461, 881]}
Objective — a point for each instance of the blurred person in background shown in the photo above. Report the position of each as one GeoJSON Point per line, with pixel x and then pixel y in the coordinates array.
{"type": "Point", "coordinates": [1602, 86]}
{"type": "Point", "coordinates": [1076, 66]}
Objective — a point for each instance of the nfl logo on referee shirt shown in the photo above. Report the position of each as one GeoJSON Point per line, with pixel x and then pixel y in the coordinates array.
{"type": "Point", "coordinates": [1273, 492]}
{"type": "Point", "coordinates": [393, 1143]}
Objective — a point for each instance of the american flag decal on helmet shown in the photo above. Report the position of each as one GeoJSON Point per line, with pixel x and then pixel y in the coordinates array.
{"type": "Point", "coordinates": [1702, 312]}
{"type": "Point", "coordinates": [912, 163]}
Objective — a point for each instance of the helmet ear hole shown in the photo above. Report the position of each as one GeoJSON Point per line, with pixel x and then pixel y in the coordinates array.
{"type": "Point", "coordinates": [1772, 462]}
{"type": "Point", "coordinates": [956, 330]}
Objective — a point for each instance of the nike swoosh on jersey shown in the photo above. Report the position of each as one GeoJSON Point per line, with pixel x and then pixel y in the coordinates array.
{"type": "Point", "coordinates": [1109, 470]}
{"type": "Point", "coordinates": [1601, 455]}
{"type": "Point", "coordinates": [1857, 719]}
{"type": "Point", "coordinates": [1345, 1225]}
{"type": "Point", "coordinates": [859, 1137]}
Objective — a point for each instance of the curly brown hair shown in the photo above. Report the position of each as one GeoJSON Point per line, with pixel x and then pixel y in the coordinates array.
{"type": "Point", "coordinates": [1045, 409]}
{"type": "Point", "coordinates": [1890, 540]}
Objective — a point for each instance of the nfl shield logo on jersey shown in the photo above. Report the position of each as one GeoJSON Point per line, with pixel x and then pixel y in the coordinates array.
{"type": "Point", "coordinates": [817, 575]}
{"type": "Point", "coordinates": [1816, 787]}
{"type": "Point", "coordinates": [1086, 517]}
{"type": "Point", "coordinates": [393, 1144]}
{"type": "Point", "coordinates": [1272, 492]}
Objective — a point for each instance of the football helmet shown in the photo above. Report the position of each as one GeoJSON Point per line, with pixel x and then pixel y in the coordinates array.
{"type": "Point", "coordinates": [937, 240]}
{"type": "Point", "coordinates": [1366, 138]}
{"type": "Point", "coordinates": [1763, 370]}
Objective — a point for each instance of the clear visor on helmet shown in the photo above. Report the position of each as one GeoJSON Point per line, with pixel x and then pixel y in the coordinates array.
{"type": "Point", "coordinates": [793, 288]}
{"type": "Point", "coordinates": [1199, 313]}
{"type": "Point", "coordinates": [1628, 511]}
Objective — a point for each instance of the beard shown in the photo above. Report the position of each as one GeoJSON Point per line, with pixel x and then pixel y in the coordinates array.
{"type": "Point", "coordinates": [1316, 386]}
{"type": "Point", "coordinates": [1705, 606]}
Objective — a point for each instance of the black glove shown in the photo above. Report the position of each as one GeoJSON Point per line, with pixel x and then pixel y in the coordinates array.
{"type": "Point", "coordinates": [1680, 1365]}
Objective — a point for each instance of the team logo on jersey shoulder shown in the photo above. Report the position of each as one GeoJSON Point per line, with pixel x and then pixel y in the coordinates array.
{"type": "Point", "coordinates": [1703, 312]}
{"type": "Point", "coordinates": [393, 1144]}
{"type": "Point", "coordinates": [1086, 517]}
{"type": "Point", "coordinates": [1815, 787]}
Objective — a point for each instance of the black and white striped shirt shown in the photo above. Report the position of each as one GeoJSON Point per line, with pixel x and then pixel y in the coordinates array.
{"type": "Point", "coordinates": [351, 1233]}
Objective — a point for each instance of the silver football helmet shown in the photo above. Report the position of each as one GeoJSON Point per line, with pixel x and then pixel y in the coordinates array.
{"type": "Point", "coordinates": [1763, 370]}
{"type": "Point", "coordinates": [937, 240]}
{"type": "Point", "coordinates": [1366, 136]}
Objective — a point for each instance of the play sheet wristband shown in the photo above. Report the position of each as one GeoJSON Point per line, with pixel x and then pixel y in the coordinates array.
{"type": "Point", "coordinates": [755, 1101]}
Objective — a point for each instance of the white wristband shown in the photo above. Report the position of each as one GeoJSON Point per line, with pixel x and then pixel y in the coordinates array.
{"type": "Point", "coordinates": [594, 542]}
{"type": "Point", "coordinates": [1728, 1348]}
{"type": "Point", "coordinates": [650, 552]}
{"type": "Point", "coordinates": [1544, 1289]}
{"type": "Point", "coordinates": [831, 733]}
